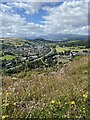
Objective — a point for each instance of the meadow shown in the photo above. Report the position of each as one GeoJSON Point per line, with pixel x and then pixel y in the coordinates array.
{"type": "Point", "coordinates": [7, 57]}
{"type": "Point", "coordinates": [51, 93]}
{"type": "Point", "coordinates": [78, 48]}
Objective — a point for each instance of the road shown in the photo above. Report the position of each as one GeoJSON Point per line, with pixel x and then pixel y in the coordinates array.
{"type": "Point", "coordinates": [51, 51]}
{"type": "Point", "coordinates": [44, 56]}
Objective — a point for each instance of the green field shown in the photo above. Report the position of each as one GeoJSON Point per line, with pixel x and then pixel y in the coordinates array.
{"type": "Point", "coordinates": [7, 57]}
{"type": "Point", "coordinates": [61, 49]}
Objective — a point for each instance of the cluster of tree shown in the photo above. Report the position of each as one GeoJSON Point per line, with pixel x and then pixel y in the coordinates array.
{"type": "Point", "coordinates": [75, 43]}
{"type": "Point", "coordinates": [4, 46]}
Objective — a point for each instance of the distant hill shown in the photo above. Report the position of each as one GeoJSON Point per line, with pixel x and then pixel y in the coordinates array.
{"type": "Point", "coordinates": [61, 37]}
{"type": "Point", "coordinates": [55, 37]}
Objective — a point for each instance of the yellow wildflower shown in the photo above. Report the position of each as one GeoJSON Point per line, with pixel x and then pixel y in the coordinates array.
{"type": "Point", "coordinates": [4, 116]}
{"type": "Point", "coordinates": [59, 102]}
{"type": "Point", "coordinates": [83, 108]}
{"type": "Point", "coordinates": [53, 101]}
{"type": "Point", "coordinates": [72, 103]}
{"type": "Point", "coordinates": [15, 104]}
{"type": "Point", "coordinates": [8, 93]}
{"type": "Point", "coordinates": [85, 96]}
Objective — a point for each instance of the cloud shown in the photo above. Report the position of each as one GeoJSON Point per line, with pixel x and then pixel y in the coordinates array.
{"type": "Point", "coordinates": [14, 25]}
{"type": "Point", "coordinates": [17, 26]}
{"type": "Point", "coordinates": [42, 0]}
{"type": "Point", "coordinates": [35, 0]}
{"type": "Point", "coordinates": [68, 18]}
{"type": "Point", "coordinates": [30, 7]}
{"type": "Point", "coordinates": [4, 8]}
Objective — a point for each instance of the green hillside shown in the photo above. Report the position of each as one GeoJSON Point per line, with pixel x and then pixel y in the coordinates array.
{"type": "Point", "coordinates": [52, 93]}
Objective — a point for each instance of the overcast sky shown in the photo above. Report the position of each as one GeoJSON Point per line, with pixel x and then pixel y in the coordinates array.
{"type": "Point", "coordinates": [34, 19]}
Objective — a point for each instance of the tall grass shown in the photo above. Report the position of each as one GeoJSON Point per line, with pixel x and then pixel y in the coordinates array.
{"type": "Point", "coordinates": [35, 94]}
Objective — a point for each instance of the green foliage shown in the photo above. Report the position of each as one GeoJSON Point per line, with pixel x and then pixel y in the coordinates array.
{"type": "Point", "coordinates": [74, 43]}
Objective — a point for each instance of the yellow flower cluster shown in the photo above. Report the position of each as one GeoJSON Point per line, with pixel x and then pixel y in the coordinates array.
{"type": "Point", "coordinates": [59, 102]}
{"type": "Point", "coordinates": [15, 103]}
{"type": "Point", "coordinates": [72, 103]}
{"type": "Point", "coordinates": [53, 101]}
{"type": "Point", "coordinates": [85, 96]}
{"type": "Point", "coordinates": [4, 116]}
{"type": "Point", "coordinates": [83, 108]}
{"type": "Point", "coordinates": [8, 93]}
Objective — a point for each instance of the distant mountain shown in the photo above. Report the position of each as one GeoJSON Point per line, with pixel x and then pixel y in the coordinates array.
{"type": "Point", "coordinates": [61, 37]}
{"type": "Point", "coordinates": [57, 37]}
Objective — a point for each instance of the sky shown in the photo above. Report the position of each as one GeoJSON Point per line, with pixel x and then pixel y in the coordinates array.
{"type": "Point", "coordinates": [40, 18]}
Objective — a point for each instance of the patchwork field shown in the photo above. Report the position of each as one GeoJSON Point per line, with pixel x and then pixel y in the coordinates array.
{"type": "Point", "coordinates": [78, 48]}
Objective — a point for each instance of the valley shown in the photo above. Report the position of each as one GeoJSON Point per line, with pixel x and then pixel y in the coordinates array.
{"type": "Point", "coordinates": [44, 79]}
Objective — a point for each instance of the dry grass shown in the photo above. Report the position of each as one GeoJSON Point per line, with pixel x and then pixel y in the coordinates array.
{"type": "Point", "coordinates": [56, 94]}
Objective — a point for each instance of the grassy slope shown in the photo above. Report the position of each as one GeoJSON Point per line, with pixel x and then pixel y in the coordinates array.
{"type": "Point", "coordinates": [56, 94]}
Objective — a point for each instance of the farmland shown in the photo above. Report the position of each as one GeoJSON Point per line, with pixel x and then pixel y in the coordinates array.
{"type": "Point", "coordinates": [80, 48]}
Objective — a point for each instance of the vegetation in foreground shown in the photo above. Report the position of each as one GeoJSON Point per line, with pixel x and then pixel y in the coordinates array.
{"type": "Point", "coordinates": [62, 93]}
